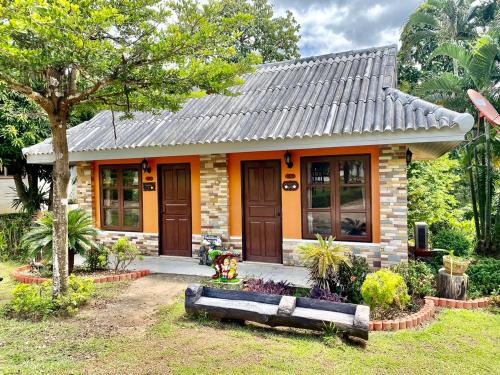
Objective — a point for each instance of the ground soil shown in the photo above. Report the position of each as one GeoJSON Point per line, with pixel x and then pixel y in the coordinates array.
{"type": "Point", "coordinates": [134, 308]}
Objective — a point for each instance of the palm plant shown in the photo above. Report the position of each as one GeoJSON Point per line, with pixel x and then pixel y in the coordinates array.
{"type": "Point", "coordinates": [323, 259]}
{"type": "Point", "coordinates": [81, 235]}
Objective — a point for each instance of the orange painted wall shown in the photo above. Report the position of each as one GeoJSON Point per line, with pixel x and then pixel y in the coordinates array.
{"type": "Point", "coordinates": [291, 200]}
{"type": "Point", "coordinates": [150, 198]}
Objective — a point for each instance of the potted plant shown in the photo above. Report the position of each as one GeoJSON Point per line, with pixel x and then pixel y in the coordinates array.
{"type": "Point", "coordinates": [455, 265]}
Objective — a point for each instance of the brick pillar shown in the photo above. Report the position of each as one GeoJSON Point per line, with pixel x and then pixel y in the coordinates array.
{"type": "Point", "coordinates": [393, 205]}
{"type": "Point", "coordinates": [85, 187]}
{"type": "Point", "coordinates": [214, 186]}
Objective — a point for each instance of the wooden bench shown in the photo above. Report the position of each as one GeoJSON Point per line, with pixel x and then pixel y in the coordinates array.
{"type": "Point", "coordinates": [274, 310]}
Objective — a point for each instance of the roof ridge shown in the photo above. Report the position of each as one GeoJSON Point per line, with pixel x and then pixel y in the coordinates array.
{"type": "Point", "coordinates": [328, 55]}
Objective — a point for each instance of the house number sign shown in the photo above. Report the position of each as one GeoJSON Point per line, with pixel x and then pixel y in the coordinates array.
{"type": "Point", "coordinates": [149, 186]}
{"type": "Point", "coordinates": [290, 185]}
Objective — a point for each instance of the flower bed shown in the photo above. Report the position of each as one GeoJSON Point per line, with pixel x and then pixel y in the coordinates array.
{"type": "Point", "coordinates": [426, 313]}
{"type": "Point", "coordinates": [19, 275]}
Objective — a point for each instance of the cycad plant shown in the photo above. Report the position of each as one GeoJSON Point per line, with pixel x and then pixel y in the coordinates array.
{"type": "Point", "coordinates": [323, 259]}
{"type": "Point", "coordinates": [81, 235]}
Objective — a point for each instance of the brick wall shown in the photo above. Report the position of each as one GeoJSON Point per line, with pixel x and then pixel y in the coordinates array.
{"type": "Point", "coordinates": [214, 189]}
{"type": "Point", "coordinates": [85, 195]}
{"type": "Point", "coordinates": [393, 205]}
{"type": "Point", "coordinates": [147, 243]}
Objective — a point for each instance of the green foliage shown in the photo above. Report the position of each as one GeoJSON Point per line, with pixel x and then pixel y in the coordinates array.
{"type": "Point", "coordinates": [35, 301]}
{"type": "Point", "coordinates": [350, 277]}
{"type": "Point", "coordinates": [418, 277]}
{"type": "Point", "coordinates": [449, 238]}
{"type": "Point", "coordinates": [273, 38]}
{"type": "Point", "coordinates": [323, 259]}
{"type": "Point", "coordinates": [12, 228]}
{"type": "Point", "coordinates": [432, 191]}
{"type": "Point", "coordinates": [484, 277]}
{"type": "Point", "coordinates": [123, 253]}
{"type": "Point", "coordinates": [96, 258]}
{"type": "Point", "coordinates": [81, 234]}
{"type": "Point", "coordinates": [385, 289]}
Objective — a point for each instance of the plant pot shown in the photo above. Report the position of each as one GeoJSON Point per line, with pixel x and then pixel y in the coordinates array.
{"type": "Point", "coordinates": [455, 265]}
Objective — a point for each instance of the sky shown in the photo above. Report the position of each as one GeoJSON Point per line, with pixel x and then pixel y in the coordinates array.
{"type": "Point", "coordinates": [341, 25]}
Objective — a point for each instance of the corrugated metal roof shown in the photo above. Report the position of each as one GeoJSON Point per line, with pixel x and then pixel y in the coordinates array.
{"type": "Point", "coordinates": [342, 93]}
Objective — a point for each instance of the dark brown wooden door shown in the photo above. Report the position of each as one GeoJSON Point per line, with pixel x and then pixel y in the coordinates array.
{"type": "Point", "coordinates": [262, 205]}
{"type": "Point", "coordinates": [175, 210]}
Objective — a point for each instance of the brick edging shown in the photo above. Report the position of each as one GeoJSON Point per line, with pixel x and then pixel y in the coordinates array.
{"type": "Point", "coordinates": [26, 279]}
{"type": "Point", "coordinates": [426, 313]}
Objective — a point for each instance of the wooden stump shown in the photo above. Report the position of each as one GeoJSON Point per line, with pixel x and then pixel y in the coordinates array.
{"type": "Point", "coordinates": [451, 286]}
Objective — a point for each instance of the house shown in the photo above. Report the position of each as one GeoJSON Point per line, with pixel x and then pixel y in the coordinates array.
{"type": "Point", "coordinates": [314, 145]}
{"type": "Point", "coordinates": [7, 191]}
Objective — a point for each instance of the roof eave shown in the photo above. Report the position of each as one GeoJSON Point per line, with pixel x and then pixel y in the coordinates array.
{"type": "Point", "coordinates": [450, 135]}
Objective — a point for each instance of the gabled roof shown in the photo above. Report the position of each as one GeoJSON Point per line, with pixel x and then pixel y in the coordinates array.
{"type": "Point", "coordinates": [335, 96]}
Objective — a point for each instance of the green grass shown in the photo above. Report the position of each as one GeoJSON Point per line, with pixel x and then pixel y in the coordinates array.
{"type": "Point", "coordinates": [458, 342]}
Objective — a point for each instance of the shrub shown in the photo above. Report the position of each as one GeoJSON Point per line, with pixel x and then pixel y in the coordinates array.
{"type": "Point", "coordinates": [323, 259]}
{"type": "Point", "coordinates": [123, 254]}
{"type": "Point", "coordinates": [96, 258]}
{"type": "Point", "coordinates": [451, 239]}
{"type": "Point", "coordinates": [418, 277]}
{"type": "Point", "coordinates": [349, 278]}
{"type": "Point", "coordinates": [385, 289]}
{"type": "Point", "coordinates": [484, 277]}
{"type": "Point", "coordinates": [12, 228]}
{"type": "Point", "coordinates": [81, 235]}
{"type": "Point", "coordinates": [35, 301]}
{"type": "Point", "coordinates": [318, 293]}
{"type": "Point", "coordinates": [282, 288]}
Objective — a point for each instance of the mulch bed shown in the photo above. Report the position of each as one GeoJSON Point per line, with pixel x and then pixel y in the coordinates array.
{"type": "Point", "coordinates": [26, 275]}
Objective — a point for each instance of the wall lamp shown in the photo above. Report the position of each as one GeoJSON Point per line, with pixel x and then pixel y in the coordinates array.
{"type": "Point", "coordinates": [145, 166]}
{"type": "Point", "coordinates": [409, 155]}
{"type": "Point", "coordinates": [288, 159]}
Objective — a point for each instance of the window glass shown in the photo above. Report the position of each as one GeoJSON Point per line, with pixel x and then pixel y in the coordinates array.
{"type": "Point", "coordinates": [352, 171]}
{"type": "Point", "coordinates": [110, 177]}
{"type": "Point", "coordinates": [111, 217]}
{"type": "Point", "coordinates": [131, 198]}
{"type": "Point", "coordinates": [352, 198]}
{"type": "Point", "coordinates": [110, 197]}
{"type": "Point", "coordinates": [130, 177]}
{"type": "Point", "coordinates": [318, 172]}
{"type": "Point", "coordinates": [131, 217]}
{"type": "Point", "coordinates": [319, 197]}
{"type": "Point", "coordinates": [353, 224]}
{"type": "Point", "coordinates": [319, 222]}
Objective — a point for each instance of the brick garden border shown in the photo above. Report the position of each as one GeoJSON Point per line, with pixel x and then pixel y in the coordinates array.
{"type": "Point", "coordinates": [26, 279]}
{"type": "Point", "coordinates": [426, 313]}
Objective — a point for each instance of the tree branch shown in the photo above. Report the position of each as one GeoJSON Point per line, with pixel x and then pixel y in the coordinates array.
{"type": "Point", "coordinates": [28, 91]}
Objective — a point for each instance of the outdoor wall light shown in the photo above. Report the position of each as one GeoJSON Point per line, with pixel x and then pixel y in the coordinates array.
{"type": "Point", "coordinates": [409, 155]}
{"type": "Point", "coordinates": [288, 159]}
{"type": "Point", "coordinates": [145, 166]}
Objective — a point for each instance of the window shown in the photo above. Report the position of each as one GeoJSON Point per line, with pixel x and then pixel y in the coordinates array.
{"type": "Point", "coordinates": [121, 197]}
{"type": "Point", "coordinates": [336, 197]}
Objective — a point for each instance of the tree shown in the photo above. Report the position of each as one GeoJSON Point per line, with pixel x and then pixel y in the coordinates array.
{"type": "Point", "coordinates": [122, 54]}
{"type": "Point", "coordinates": [436, 22]}
{"type": "Point", "coordinates": [274, 38]}
{"type": "Point", "coordinates": [21, 125]}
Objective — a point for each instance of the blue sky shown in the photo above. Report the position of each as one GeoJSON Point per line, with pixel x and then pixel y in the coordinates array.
{"type": "Point", "coordinates": [340, 25]}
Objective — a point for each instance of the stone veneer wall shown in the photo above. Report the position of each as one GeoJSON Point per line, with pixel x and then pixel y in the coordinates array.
{"type": "Point", "coordinates": [147, 243]}
{"type": "Point", "coordinates": [393, 205]}
{"type": "Point", "coordinates": [214, 187]}
{"type": "Point", "coordinates": [85, 195]}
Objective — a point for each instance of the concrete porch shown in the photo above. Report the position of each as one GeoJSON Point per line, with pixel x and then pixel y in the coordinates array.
{"type": "Point", "coordinates": [190, 266]}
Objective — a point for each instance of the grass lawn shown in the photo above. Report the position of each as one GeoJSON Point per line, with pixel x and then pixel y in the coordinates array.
{"type": "Point", "coordinates": [458, 342]}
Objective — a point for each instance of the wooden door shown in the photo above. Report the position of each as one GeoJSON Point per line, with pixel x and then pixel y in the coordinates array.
{"type": "Point", "coordinates": [175, 210]}
{"type": "Point", "coordinates": [262, 210]}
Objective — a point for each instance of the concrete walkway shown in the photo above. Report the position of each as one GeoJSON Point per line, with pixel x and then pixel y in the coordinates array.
{"type": "Point", "coordinates": [190, 266]}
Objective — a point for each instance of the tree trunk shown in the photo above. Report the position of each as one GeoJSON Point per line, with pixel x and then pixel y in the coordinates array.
{"type": "Point", "coordinates": [60, 182]}
{"type": "Point", "coordinates": [451, 286]}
